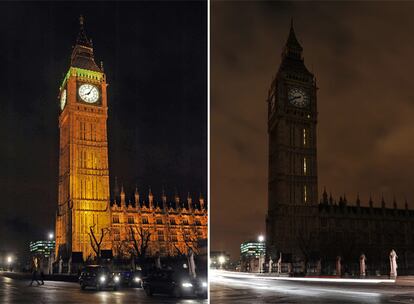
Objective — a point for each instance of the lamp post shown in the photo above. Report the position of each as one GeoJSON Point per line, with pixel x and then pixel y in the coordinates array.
{"type": "Point", "coordinates": [261, 239]}
{"type": "Point", "coordinates": [221, 261]}
{"type": "Point", "coordinates": [9, 261]}
{"type": "Point", "coordinates": [50, 259]}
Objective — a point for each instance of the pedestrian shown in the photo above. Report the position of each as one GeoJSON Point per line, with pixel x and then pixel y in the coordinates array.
{"type": "Point", "coordinates": [42, 277]}
{"type": "Point", "coordinates": [35, 267]}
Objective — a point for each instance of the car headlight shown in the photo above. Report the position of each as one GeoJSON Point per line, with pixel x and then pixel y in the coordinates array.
{"type": "Point", "coordinates": [102, 279]}
{"type": "Point", "coordinates": [116, 278]}
{"type": "Point", "coordinates": [187, 285]}
{"type": "Point", "coordinates": [204, 284]}
{"type": "Point", "coordinates": [137, 279]}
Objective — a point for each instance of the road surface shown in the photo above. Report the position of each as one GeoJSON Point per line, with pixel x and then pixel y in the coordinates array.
{"type": "Point", "coordinates": [17, 291]}
{"type": "Point", "coordinates": [241, 290]}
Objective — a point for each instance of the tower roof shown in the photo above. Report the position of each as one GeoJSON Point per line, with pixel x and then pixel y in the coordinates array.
{"type": "Point", "coordinates": [292, 59]}
{"type": "Point", "coordinates": [293, 46]}
{"type": "Point", "coordinates": [82, 54]}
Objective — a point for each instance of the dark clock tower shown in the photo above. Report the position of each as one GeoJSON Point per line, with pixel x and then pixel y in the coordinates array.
{"type": "Point", "coordinates": [292, 217]}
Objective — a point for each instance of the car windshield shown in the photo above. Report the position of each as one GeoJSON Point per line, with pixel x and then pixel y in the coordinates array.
{"type": "Point", "coordinates": [96, 269]}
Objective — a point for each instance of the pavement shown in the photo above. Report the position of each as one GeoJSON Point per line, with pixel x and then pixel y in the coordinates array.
{"type": "Point", "coordinates": [233, 288]}
{"type": "Point", "coordinates": [17, 290]}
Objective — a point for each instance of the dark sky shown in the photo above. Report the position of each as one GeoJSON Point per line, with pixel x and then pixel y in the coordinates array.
{"type": "Point", "coordinates": [155, 58]}
{"type": "Point", "coordinates": [362, 56]}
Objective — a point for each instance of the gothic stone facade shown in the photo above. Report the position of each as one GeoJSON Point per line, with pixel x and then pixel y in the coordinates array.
{"type": "Point", "coordinates": [299, 226]}
{"type": "Point", "coordinates": [173, 226]}
{"type": "Point", "coordinates": [84, 198]}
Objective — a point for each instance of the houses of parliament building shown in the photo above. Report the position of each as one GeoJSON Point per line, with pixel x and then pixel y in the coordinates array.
{"type": "Point", "coordinates": [85, 210]}
{"type": "Point", "coordinates": [300, 227]}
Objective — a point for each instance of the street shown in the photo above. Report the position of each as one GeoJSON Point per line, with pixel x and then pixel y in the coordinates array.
{"type": "Point", "coordinates": [18, 291]}
{"type": "Point", "coordinates": [227, 288]}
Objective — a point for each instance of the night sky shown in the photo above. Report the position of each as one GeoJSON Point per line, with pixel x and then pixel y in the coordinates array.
{"type": "Point", "coordinates": [155, 58]}
{"type": "Point", "coordinates": [362, 57]}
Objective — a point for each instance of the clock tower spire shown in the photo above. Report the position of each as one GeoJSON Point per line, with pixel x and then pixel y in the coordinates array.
{"type": "Point", "coordinates": [292, 48]}
{"type": "Point", "coordinates": [82, 53]}
{"type": "Point", "coordinates": [292, 172]}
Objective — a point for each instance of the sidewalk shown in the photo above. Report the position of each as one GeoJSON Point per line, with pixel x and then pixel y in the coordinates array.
{"type": "Point", "coordinates": [48, 277]}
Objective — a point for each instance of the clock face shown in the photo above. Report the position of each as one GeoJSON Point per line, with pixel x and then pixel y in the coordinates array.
{"type": "Point", "coordinates": [88, 93]}
{"type": "Point", "coordinates": [63, 99]}
{"type": "Point", "coordinates": [298, 97]}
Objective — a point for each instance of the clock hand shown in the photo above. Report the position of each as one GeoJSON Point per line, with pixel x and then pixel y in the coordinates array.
{"type": "Point", "coordinates": [296, 97]}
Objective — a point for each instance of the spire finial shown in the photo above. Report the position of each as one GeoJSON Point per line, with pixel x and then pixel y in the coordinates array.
{"type": "Point", "coordinates": [81, 20]}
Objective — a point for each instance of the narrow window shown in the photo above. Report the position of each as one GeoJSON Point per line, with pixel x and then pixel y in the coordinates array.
{"type": "Point", "coordinates": [304, 137]}
{"type": "Point", "coordinates": [304, 166]}
{"type": "Point", "coordinates": [305, 195]}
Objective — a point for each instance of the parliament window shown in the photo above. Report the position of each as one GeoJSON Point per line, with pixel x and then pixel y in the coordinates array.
{"type": "Point", "coordinates": [145, 220]}
{"type": "Point", "coordinates": [174, 236]}
{"type": "Point", "coordinates": [117, 236]}
{"type": "Point", "coordinates": [172, 222]}
{"type": "Point", "coordinates": [159, 221]}
{"type": "Point", "coordinates": [115, 219]}
{"type": "Point", "coordinates": [131, 220]}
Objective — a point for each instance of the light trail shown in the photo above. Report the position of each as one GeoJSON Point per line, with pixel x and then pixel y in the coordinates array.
{"type": "Point", "coordinates": [241, 275]}
{"type": "Point", "coordinates": [269, 284]}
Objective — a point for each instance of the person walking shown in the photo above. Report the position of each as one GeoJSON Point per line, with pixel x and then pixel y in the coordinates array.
{"type": "Point", "coordinates": [35, 267]}
{"type": "Point", "coordinates": [42, 277]}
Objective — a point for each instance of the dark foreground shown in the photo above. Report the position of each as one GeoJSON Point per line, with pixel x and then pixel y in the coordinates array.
{"type": "Point", "coordinates": [18, 291]}
{"type": "Point", "coordinates": [247, 290]}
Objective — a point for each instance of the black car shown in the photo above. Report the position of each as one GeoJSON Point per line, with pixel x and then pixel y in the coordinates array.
{"type": "Point", "coordinates": [177, 284]}
{"type": "Point", "coordinates": [201, 286]}
{"type": "Point", "coordinates": [99, 277]}
{"type": "Point", "coordinates": [131, 278]}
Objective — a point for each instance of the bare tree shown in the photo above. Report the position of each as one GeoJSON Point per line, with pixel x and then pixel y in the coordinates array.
{"type": "Point", "coordinates": [139, 239]}
{"type": "Point", "coordinates": [190, 242]}
{"type": "Point", "coordinates": [95, 243]}
{"type": "Point", "coordinates": [122, 249]}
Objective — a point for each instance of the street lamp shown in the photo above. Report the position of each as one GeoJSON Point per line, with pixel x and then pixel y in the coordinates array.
{"type": "Point", "coordinates": [51, 235]}
{"type": "Point", "coordinates": [9, 259]}
{"type": "Point", "coordinates": [261, 239]}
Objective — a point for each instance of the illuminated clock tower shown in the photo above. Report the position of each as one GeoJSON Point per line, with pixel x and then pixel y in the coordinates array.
{"type": "Point", "coordinates": [83, 157]}
{"type": "Point", "coordinates": [292, 174]}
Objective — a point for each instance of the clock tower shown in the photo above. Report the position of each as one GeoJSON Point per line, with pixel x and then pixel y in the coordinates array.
{"type": "Point", "coordinates": [83, 201]}
{"type": "Point", "coordinates": [292, 173]}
